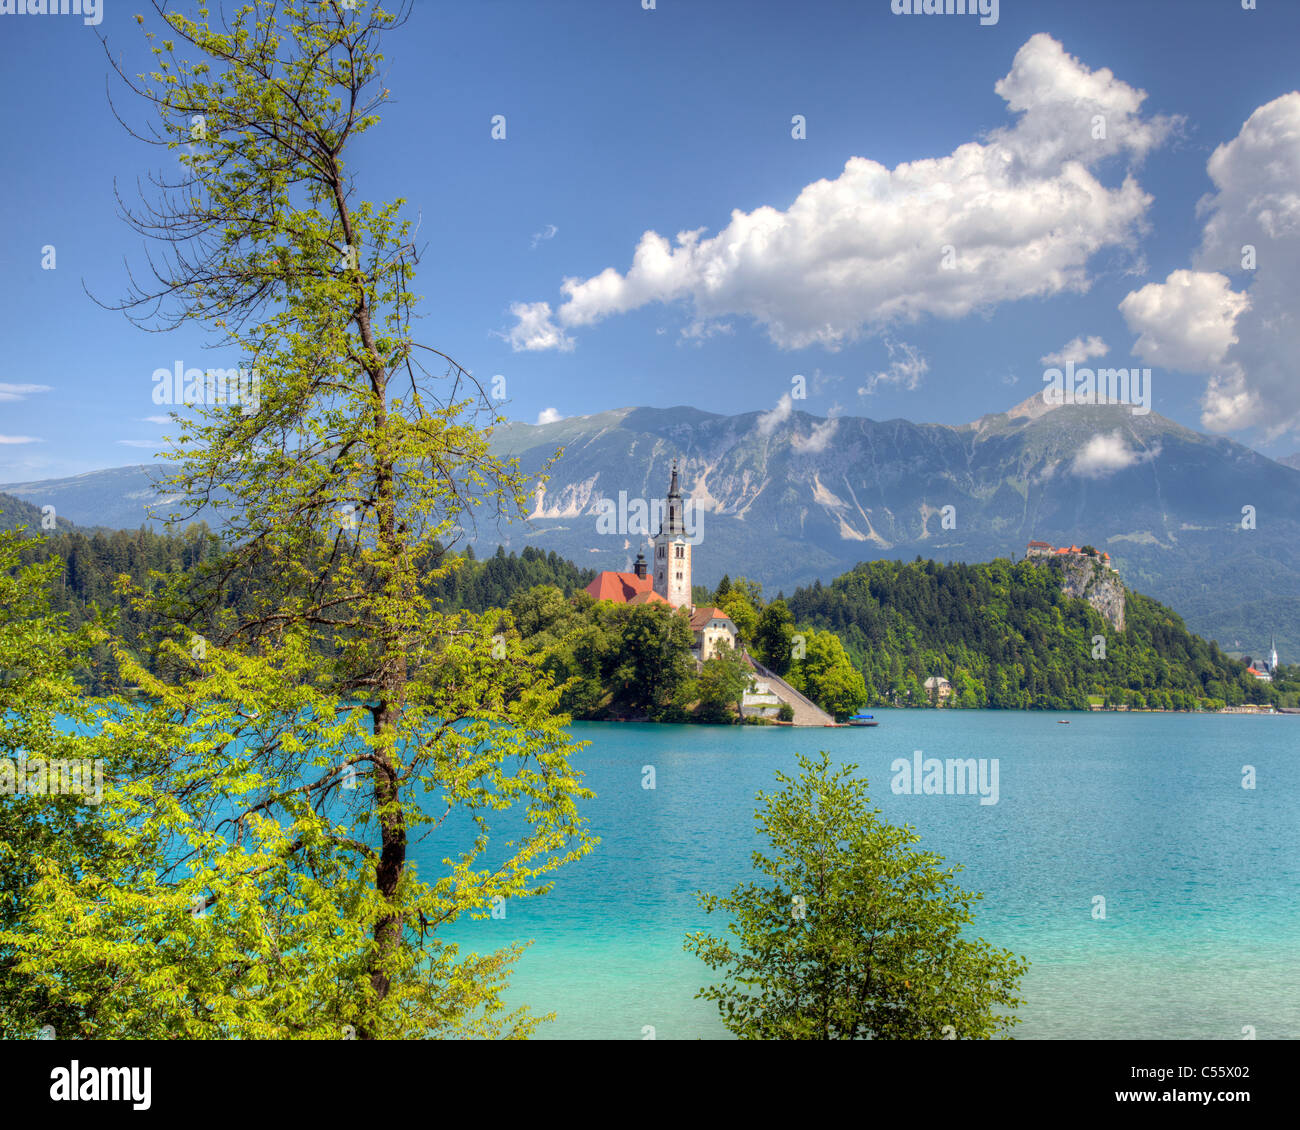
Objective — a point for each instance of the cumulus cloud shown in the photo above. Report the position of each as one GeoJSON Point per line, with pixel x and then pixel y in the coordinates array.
{"type": "Point", "coordinates": [1186, 322]}
{"type": "Point", "coordinates": [18, 392]}
{"type": "Point", "coordinates": [535, 329]}
{"type": "Point", "coordinates": [1105, 454]}
{"type": "Point", "coordinates": [1244, 340]}
{"type": "Point", "coordinates": [906, 368]}
{"type": "Point", "coordinates": [768, 422]}
{"type": "Point", "coordinates": [1014, 215]}
{"type": "Point", "coordinates": [1077, 351]}
{"type": "Point", "coordinates": [548, 416]}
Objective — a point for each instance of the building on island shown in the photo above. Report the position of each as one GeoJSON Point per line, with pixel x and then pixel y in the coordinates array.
{"type": "Point", "coordinates": [626, 588]}
{"type": "Point", "coordinates": [1046, 549]}
{"type": "Point", "coordinates": [670, 582]}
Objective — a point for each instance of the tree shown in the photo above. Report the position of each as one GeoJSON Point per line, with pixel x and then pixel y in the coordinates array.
{"type": "Point", "coordinates": [539, 610]}
{"type": "Point", "coordinates": [774, 636]}
{"type": "Point", "coordinates": [291, 737]}
{"type": "Point", "coordinates": [827, 676]}
{"type": "Point", "coordinates": [42, 713]}
{"type": "Point", "coordinates": [656, 666]}
{"type": "Point", "coordinates": [738, 606]}
{"type": "Point", "coordinates": [855, 934]}
{"type": "Point", "coordinates": [722, 683]}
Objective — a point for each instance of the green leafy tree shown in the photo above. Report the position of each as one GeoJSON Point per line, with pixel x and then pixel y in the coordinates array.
{"type": "Point", "coordinates": [723, 680]}
{"type": "Point", "coordinates": [826, 675]}
{"type": "Point", "coordinates": [738, 606]}
{"type": "Point", "coordinates": [269, 778]}
{"type": "Point", "coordinates": [656, 664]}
{"type": "Point", "coordinates": [852, 933]}
{"type": "Point", "coordinates": [774, 636]}
{"type": "Point", "coordinates": [42, 716]}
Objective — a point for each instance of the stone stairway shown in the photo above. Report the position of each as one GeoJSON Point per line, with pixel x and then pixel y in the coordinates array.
{"type": "Point", "coordinates": [806, 712]}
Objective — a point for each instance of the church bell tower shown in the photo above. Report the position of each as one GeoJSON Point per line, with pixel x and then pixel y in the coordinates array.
{"type": "Point", "coordinates": [672, 578]}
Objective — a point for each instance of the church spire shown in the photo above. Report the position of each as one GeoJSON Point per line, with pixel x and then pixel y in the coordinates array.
{"type": "Point", "coordinates": [673, 524]}
{"type": "Point", "coordinates": [672, 579]}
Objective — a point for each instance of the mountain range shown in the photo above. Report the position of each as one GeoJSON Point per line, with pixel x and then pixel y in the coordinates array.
{"type": "Point", "coordinates": [1201, 523]}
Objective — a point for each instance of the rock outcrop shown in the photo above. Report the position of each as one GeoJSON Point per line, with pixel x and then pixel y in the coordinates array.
{"type": "Point", "coordinates": [1089, 579]}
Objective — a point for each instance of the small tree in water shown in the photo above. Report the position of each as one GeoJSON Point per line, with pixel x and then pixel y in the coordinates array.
{"type": "Point", "coordinates": [857, 935]}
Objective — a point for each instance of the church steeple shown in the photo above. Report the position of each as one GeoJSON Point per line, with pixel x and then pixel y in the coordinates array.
{"type": "Point", "coordinates": [673, 524]}
{"type": "Point", "coordinates": [672, 578]}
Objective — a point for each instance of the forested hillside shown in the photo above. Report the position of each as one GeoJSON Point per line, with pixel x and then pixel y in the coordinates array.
{"type": "Point", "coordinates": [1006, 636]}
{"type": "Point", "coordinates": [14, 512]}
{"type": "Point", "coordinates": [1003, 634]}
{"type": "Point", "coordinates": [92, 562]}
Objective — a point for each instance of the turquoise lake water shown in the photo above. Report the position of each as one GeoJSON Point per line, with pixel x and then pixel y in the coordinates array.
{"type": "Point", "coordinates": [1201, 877]}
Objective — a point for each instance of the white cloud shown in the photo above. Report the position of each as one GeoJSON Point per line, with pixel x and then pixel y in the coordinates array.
{"type": "Point", "coordinates": [1077, 351]}
{"type": "Point", "coordinates": [138, 442]}
{"type": "Point", "coordinates": [816, 442]}
{"type": "Point", "coordinates": [1185, 322]}
{"type": "Point", "coordinates": [534, 329]}
{"type": "Point", "coordinates": [156, 419]}
{"type": "Point", "coordinates": [905, 371]}
{"type": "Point", "coordinates": [18, 392]}
{"type": "Point", "coordinates": [768, 422]}
{"type": "Point", "coordinates": [19, 439]}
{"type": "Point", "coordinates": [1105, 454]}
{"type": "Point", "coordinates": [548, 232]}
{"type": "Point", "coordinates": [548, 416]}
{"type": "Point", "coordinates": [1244, 341]}
{"type": "Point", "coordinates": [700, 331]}
{"type": "Point", "coordinates": [1021, 209]}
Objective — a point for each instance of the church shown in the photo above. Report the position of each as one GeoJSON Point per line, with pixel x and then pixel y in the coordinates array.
{"type": "Point", "coordinates": [671, 582]}
{"type": "Point", "coordinates": [1263, 670]}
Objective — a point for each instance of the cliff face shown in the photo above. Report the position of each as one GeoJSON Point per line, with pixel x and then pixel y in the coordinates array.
{"type": "Point", "coordinates": [1089, 579]}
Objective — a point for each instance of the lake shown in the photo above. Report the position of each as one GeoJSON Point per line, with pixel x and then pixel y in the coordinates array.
{"type": "Point", "coordinates": [1200, 876]}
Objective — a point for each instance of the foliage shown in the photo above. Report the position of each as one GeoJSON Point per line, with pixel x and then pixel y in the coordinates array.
{"type": "Point", "coordinates": [723, 680]}
{"type": "Point", "coordinates": [855, 934]}
{"type": "Point", "coordinates": [41, 713]}
{"type": "Point", "coordinates": [1007, 637]}
{"type": "Point", "coordinates": [305, 698]}
{"type": "Point", "coordinates": [826, 674]}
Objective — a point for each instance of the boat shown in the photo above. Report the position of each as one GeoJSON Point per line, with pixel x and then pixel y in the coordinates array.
{"type": "Point", "coordinates": [1062, 721]}
{"type": "Point", "coordinates": [862, 720]}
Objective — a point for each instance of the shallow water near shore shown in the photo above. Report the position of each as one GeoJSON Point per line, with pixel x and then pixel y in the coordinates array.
{"type": "Point", "coordinates": [1200, 876]}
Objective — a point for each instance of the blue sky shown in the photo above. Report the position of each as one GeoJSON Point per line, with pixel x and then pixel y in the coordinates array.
{"type": "Point", "coordinates": [622, 122]}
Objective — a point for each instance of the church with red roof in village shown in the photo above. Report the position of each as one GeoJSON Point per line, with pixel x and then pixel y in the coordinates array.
{"type": "Point", "coordinates": [670, 582]}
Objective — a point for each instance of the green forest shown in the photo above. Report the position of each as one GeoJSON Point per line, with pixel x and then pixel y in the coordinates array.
{"type": "Point", "coordinates": [1003, 635]}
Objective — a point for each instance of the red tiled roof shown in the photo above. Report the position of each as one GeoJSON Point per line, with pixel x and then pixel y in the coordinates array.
{"type": "Point", "coordinates": [619, 587]}
{"type": "Point", "coordinates": [704, 615]}
{"type": "Point", "coordinates": [647, 597]}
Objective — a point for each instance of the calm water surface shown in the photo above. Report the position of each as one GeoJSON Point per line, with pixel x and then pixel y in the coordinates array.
{"type": "Point", "coordinates": [1201, 877]}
